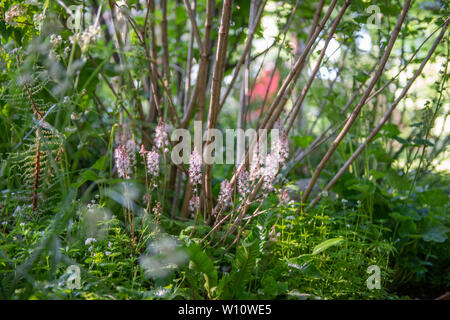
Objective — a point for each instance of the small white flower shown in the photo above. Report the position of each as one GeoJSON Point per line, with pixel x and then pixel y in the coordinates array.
{"type": "Point", "coordinates": [121, 3]}
{"type": "Point", "coordinates": [89, 241]}
{"type": "Point", "coordinates": [38, 19]}
{"type": "Point", "coordinates": [107, 253]}
{"type": "Point", "coordinates": [75, 116]}
{"type": "Point", "coordinates": [17, 211]}
{"type": "Point", "coordinates": [14, 11]}
{"type": "Point", "coordinates": [66, 51]}
{"type": "Point", "coordinates": [87, 37]}
{"type": "Point", "coordinates": [54, 55]}
{"type": "Point", "coordinates": [161, 292]}
{"type": "Point", "coordinates": [55, 40]}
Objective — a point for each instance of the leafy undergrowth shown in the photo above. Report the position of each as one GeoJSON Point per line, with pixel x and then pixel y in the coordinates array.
{"type": "Point", "coordinates": [320, 254]}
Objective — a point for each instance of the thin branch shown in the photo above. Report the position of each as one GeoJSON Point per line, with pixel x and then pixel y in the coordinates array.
{"type": "Point", "coordinates": [187, 81]}
{"type": "Point", "coordinates": [305, 89]}
{"type": "Point", "coordinates": [292, 76]}
{"type": "Point", "coordinates": [165, 43]}
{"type": "Point", "coordinates": [248, 44]}
{"type": "Point", "coordinates": [361, 103]}
{"type": "Point", "coordinates": [199, 95]}
{"type": "Point", "coordinates": [216, 87]}
{"type": "Point", "coordinates": [194, 25]}
{"type": "Point", "coordinates": [384, 119]}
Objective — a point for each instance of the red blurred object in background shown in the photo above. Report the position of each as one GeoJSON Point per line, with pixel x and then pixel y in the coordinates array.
{"type": "Point", "coordinates": [261, 85]}
{"type": "Point", "coordinates": [258, 93]}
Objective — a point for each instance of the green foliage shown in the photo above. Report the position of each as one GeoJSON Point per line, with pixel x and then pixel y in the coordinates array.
{"type": "Point", "coordinates": [232, 286]}
{"type": "Point", "coordinates": [64, 104]}
{"type": "Point", "coordinates": [202, 263]}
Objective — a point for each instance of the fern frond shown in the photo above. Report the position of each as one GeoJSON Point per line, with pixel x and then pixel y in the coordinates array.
{"type": "Point", "coordinates": [34, 167]}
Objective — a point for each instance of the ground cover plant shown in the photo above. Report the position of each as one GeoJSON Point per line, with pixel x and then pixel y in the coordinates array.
{"type": "Point", "coordinates": [220, 149]}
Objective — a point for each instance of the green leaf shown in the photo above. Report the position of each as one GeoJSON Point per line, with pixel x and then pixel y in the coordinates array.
{"type": "Point", "coordinates": [438, 233]}
{"type": "Point", "coordinates": [391, 130]}
{"type": "Point", "coordinates": [101, 163]}
{"type": "Point", "coordinates": [202, 263]}
{"type": "Point", "coordinates": [422, 142]}
{"type": "Point", "coordinates": [377, 174]}
{"type": "Point", "coordinates": [306, 267]}
{"type": "Point", "coordinates": [362, 76]}
{"type": "Point", "coordinates": [325, 245]}
{"type": "Point", "coordinates": [87, 175]}
{"type": "Point", "coordinates": [434, 197]}
{"type": "Point", "coordinates": [271, 287]}
{"type": "Point", "coordinates": [90, 175]}
{"type": "Point", "coordinates": [381, 155]}
{"type": "Point", "coordinates": [302, 141]}
{"type": "Point", "coordinates": [401, 140]}
{"type": "Point", "coordinates": [407, 228]}
{"type": "Point", "coordinates": [298, 295]}
{"type": "Point", "coordinates": [243, 267]}
{"type": "Point", "coordinates": [363, 188]}
{"type": "Point", "coordinates": [399, 217]}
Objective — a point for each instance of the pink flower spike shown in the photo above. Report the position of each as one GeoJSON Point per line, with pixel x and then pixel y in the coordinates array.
{"type": "Point", "coordinates": [195, 168]}
{"type": "Point", "coordinates": [270, 171]}
{"type": "Point", "coordinates": [243, 183]}
{"type": "Point", "coordinates": [131, 148]}
{"type": "Point", "coordinates": [161, 136]}
{"type": "Point", "coordinates": [281, 149]}
{"type": "Point", "coordinates": [225, 194]}
{"type": "Point", "coordinates": [153, 163]}
{"type": "Point", "coordinates": [255, 165]}
{"type": "Point", "coordinates": [122, 160]}
{"type": "Point", "coordinates": [194, 204]}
